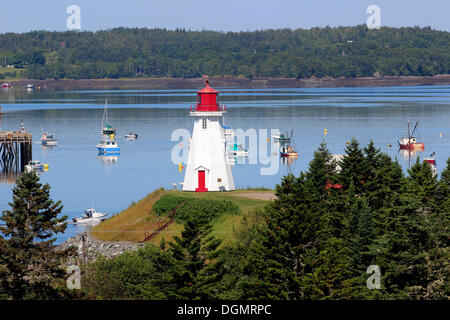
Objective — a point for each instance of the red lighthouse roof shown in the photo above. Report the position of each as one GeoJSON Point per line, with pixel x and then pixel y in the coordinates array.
{"type": "Point", "coordinates": [207, 99]}
{"type": "Point", "coordinates": [208, 89]}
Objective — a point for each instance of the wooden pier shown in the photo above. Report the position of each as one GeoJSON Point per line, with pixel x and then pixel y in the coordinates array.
{"type": "Point", "coordinates": [15, 150]}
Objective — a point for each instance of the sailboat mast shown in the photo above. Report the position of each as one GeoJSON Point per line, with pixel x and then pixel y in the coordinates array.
{"type": "Point", "coordinates": [105, 113]}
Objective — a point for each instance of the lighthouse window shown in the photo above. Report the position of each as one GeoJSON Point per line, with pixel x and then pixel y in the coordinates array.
{"type": "Point", "coordinates": [203, 123]}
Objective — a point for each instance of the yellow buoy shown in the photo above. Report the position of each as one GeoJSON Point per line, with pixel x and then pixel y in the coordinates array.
{"type": "Point", "coordinates": [347, 142]}
{"type": "Point", "coordinates": [325, 131]}
{"type": "Point", "coordinates": [112, 136]}
{"type": "Point", "coordinates": [268, 139]}
{"type": "Point", "coordinates": [45, 167]}
{"type": "Point", "coordinates": [180, 167]}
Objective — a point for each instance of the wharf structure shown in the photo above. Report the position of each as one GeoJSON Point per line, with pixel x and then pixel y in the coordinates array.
{"type": "Point", "coordinates": [15, 150]}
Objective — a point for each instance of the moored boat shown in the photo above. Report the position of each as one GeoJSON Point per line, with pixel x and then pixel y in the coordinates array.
{"type": "Point", "coordinates": [35, 165]}
{"type": "Point", "coordinates": [131, 136]}
{"type": "Point", "coordinates": [89, 216]}
{"type": "Point", "coordinates": [106, 128]}
{"type": "Point", "coordinates": [288, 151]}
{"type": "Point", "coordinates": [108, 146]}
{"type": "Point", "coordinates": [409, 141]}
{"type": "Point", "coordinates": [48, 140]}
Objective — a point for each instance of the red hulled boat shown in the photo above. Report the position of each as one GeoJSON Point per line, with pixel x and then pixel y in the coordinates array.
{"type": "Point", "coordinates": [409, 141]}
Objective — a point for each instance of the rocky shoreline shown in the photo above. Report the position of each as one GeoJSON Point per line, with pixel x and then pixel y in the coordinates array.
{"type": "Point", "coordinates": [229, 82]}
{"type": "Point", "coordinates": [90, 248]}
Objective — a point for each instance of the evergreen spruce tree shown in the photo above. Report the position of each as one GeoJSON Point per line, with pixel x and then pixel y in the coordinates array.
{"type": "Point", "coordinates": [322, 170]}
{"type": "Point", "coordinates": [352, 166]}
{"type": "Point", "coordinates": [191, 251]}
{"type": "Point", "coordinates": [31, 266]}
{"type": "Point", "coordinates": [422, 184]}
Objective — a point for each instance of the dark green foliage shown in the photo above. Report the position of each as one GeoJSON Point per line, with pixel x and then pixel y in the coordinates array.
{"type": "Point", "coordinates": [201, 210]}
{"type": "Point", "coordinates": [30, 268]}
{"type": "Point", "coordinates": [320, 52]}
{"type": "Point", "coordinates": [312, 242]}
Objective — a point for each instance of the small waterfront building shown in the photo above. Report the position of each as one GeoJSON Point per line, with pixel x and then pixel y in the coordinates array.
{"type": "Point", "coordinates": [208, 168]}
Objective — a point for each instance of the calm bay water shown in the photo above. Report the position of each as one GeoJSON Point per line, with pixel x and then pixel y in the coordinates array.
{"type": "Point", "coordinates": [81, 178]}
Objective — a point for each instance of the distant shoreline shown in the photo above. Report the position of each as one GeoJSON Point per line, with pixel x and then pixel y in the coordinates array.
{"type": "Point", "coordinates": [256, 83]}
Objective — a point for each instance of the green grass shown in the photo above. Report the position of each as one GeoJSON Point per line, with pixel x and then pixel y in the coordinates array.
{"type": "Point", "coordinates": [131, 223]}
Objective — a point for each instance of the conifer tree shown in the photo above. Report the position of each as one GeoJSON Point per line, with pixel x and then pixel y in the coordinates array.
{"type": "Point", "coordinates": [321, 170]}
{"type": "Point", "coordinates": [32, 268]}
{"type": "Point", "coordinates": [191, 252]}
{"type": "Point", "coordinates": [352, 166]}
{"type": "Point", "coordinates": [422, 184]}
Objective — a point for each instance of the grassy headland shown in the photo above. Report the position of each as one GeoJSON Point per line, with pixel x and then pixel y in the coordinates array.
{"type": "Point", "coordinates": [136, 221]}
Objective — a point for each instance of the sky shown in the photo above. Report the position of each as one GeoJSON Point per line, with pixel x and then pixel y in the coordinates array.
{"type": "Point", "coordinates": [220, 15]}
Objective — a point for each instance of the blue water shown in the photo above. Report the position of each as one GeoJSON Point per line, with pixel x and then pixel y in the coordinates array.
{"type": "Point", "coordinates": [81, 178]}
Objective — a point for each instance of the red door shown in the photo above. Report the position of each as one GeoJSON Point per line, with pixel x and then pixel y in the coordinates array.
{"type": "Point", "coordinates": [201, 182]}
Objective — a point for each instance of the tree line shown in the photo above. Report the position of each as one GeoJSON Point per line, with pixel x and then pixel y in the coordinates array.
{"type": "Point", "coordinates": [300, 53]}
{"type": "Point", "coordinates": [316, 240]}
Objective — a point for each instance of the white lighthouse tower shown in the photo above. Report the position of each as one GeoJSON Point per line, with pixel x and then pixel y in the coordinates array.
{"type": "Point", "coordinates": [207, 166]}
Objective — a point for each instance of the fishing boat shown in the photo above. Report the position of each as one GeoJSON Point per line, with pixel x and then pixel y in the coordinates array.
{"type": "Point", "coordinates": [106, 128]}
{"type": "Point", "coordinates": [34, 165]}
{"type": "Point", "coordinates": [48, 140]}
{"type": "Point", "coordinates": [108, 146]}
{"type": "Point", "coordinates": [131, 136]}
{"type": "Point", "coordinates": [288, 151]}
{"type": "Point", "coordinates": [89, 216]}
{"type": "Point", "coordinates": [409, 141]}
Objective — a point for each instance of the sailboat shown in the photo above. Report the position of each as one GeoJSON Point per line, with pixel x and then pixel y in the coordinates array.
{"type": "Point", "coordinates": [107, 129]}
{"type": "Point", "coordinates": [409, 141]}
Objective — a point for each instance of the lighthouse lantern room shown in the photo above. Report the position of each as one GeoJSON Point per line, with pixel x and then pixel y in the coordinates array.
{"type": "Point", "coordinates": [207, 167]}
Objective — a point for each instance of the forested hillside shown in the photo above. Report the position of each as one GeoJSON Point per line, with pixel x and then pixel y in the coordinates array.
{"type": "Point", "coordinates": [134, 53]}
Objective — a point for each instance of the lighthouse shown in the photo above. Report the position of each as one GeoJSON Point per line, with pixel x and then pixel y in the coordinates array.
{"type": "Point", "coordinates": [207, 167]}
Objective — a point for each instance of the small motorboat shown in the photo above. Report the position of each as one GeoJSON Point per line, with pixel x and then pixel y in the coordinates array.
{"type": "Point", "coordinates": [29, 86]}
{"type": "Point", "coordinates": [131, 136]}
{"type": "Point", "coordinates": [6, 85]}
{"type": "Point", "coordinates": [48, 140]}
{"type": "Point", "coordinates": [409, 141]}
{"type": "Point", "coordinates": [108, 146]}
{"type": "Point", "coordinates": [288, 151]}
{"type": "Point", "coordinates": [89, 216]}
{"type": "Point", "coordinates": [34, 165]}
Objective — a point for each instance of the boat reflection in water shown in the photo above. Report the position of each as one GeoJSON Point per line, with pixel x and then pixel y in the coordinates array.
{"type": "Point", "coordinates": [108, 160]}
{"type": "Point", "coordinates": [410, 155]}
